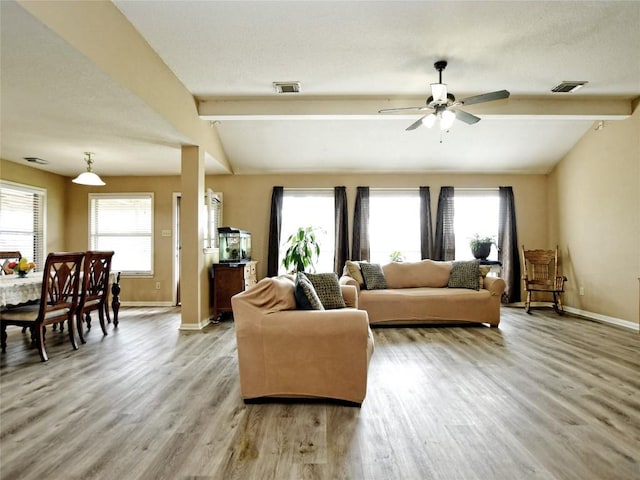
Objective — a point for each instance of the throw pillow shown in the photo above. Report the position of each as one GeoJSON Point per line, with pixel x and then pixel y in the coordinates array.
{"type": "Point", "coordinates": [465, 274]}
{"type": "Point", "coordinates": [484, 270]}
{"type": "Point", "coordinates": [373, 276]}
{"type": "Point", "coordinates": [305, 294]}
{"type": "Point", "coordinates": [328, 289]}
{"type": "Point", "coordinates": [353, 270]}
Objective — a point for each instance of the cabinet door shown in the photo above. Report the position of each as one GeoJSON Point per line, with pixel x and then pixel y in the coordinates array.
{"type": "Point", "coordinates": [228, 282]}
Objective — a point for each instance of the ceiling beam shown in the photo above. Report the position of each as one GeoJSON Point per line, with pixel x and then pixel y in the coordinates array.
{"type": "Point", "coordinates": [260, 108]}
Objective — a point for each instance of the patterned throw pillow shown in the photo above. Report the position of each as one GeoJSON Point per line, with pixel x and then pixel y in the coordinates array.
{"type": "Point", "coordinates": [305, 294]}
{"type": "Point", "coordinates": [373, 276]}
{"type": "Point", "coordinates": [328, 289]}
{"type": "Point", "coordinates": [465, 275]}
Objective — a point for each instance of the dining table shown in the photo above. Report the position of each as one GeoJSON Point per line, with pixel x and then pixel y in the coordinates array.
{"type": "Point", "coordinates": [20, 290]}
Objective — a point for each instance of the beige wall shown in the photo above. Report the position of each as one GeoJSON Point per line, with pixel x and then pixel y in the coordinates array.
{"type": "Point", "coordinates": [55, 186]}
{"type": "Point", "coordinates": [596, 187]}
{"type": "Point", "coordinates": [133, 289]}
{"type": "Point", "coordinates": [247, 199]}
{"type": "Point", "coordinates": [594, 193]}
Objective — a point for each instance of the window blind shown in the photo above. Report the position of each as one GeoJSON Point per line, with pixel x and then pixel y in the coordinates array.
{"type": "Point", "coordinates": [123, 223]}
{"type": "Point", "coordinates": [22, 214]}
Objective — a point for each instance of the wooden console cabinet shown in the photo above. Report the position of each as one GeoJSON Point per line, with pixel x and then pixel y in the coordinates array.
{"type": "Point", "coordinates": [229, 279]}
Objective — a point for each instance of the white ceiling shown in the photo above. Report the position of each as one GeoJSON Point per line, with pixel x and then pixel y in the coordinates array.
{"type": "Point", "coordinates": [360, 56]}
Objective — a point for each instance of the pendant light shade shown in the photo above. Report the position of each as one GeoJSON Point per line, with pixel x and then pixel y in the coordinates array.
{"type": "Point", "coordinates": [88, 177]}
{"type": "Point", "coordinates": [447, 119]}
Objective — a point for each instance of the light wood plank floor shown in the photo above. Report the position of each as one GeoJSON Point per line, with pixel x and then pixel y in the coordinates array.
{"type": "Point", "coordinates": [543, 397]}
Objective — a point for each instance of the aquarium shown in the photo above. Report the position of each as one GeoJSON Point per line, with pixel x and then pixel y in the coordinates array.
{"type": "Point", "coordinates": [234, 244]}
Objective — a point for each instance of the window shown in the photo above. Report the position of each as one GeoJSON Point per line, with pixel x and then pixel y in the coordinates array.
{"type": "Point", "coordinates": [476, 212]}
{"type": "Point", "coordinates": [213, 201]}
{"type": "Point", "coordinates": [123, 223]}
{"type": "Point", "coordinates": [22, 214]}
{"type": "Point", "coordinates": [394, 225]}
{"type": "Point", "coordinates": [309, 208]}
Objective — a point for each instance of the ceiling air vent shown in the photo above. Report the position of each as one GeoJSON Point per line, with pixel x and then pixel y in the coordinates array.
{"type": "Point", "coordinates": [39, 161]}
{"type": "Point", "coordinates": [287, 87]}
{"type": "Point", "coordinates": [568, 87]}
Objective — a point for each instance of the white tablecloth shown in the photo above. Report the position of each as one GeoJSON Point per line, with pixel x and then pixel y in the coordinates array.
{"type": "Point", "coordinates": [15, 290]}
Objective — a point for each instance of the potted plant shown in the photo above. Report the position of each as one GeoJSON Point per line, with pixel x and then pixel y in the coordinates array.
{"type": "Point", "coordinates": [481, 246]}
{"type": "Point", "coordinates": [302, 249]}
{"type": "Point", "coordinates": [396, 256]}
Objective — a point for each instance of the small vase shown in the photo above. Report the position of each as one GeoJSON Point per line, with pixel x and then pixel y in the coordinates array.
{"type": "Point", "coordinates": [22, 273]}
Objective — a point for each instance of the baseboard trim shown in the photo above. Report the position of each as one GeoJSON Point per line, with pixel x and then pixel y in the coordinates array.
{"type": "Point", "coordinates": [194, 327]}
{"type": "Point", "coordinates": [147, 304]}
{"type": "Point", "coordinates": [603, 318]}
{"type": "Point", "coordinates": [596, 317]}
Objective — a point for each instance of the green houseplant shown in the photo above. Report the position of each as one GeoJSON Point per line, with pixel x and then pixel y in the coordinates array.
{"type": "Point", "coordinates": [481, 246]}
{"type": "Point", "coordinates": [302, 249]}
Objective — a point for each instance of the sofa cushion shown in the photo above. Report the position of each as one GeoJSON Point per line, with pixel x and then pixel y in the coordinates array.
{"type": "Point", "coordinates": [425, 273]}
{"type": "Point", "coordinates": [328, 289]}
{"type": "Point", "coordinates": [373, 276]}
{"type": "Point", "coordinates": [465, 275]}
{"type": "Point", "coordinates": [305, 294]}
{"type": "Point", "coordinates": [352, 269]}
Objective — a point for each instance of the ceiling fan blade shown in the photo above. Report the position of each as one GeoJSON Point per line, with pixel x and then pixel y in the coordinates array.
{"type": "Point", "coordinates": [416, 124]}
{"type": "Point", "coordinates": [486, 97]}
{"type": "Point", "coordinates": [403, 109]}
{"type": "Point", "coordinates": [466, 117]}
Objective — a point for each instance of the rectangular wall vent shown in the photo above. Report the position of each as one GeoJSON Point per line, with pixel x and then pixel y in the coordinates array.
{"type": "Point", "coordinates": [568, 87]}
{"type": "Point", "coordinates": [287, 87]}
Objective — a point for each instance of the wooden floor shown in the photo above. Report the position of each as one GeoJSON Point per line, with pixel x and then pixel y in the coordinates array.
{"type": "Point", "coordinates": [542, 397]}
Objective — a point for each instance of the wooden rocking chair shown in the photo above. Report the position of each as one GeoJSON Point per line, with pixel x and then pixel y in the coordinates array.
{"type": "Point", "coordinates": [541, 275]}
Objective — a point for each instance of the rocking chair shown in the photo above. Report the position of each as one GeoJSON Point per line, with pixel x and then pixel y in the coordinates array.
{"type": "Point", "coordinates": [541, 275]}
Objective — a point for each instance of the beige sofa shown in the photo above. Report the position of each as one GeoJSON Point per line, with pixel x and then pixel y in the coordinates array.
{"type": "Point", "coordinates": [418, 292]}
{"type": "Point", "coordinates": [289, 353]}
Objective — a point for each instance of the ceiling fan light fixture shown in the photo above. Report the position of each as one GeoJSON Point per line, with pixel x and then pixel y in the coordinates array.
{"type": "Point", "coordinates": [439, 92]}
{"type": "Point", "coordinates": [429, 120]}
{"type": "Point", "coordinates": [88, 177]}
{"type": "Point", "coordinates": [447, 119]}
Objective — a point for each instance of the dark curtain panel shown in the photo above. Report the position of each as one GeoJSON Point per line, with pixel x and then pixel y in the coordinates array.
{"type": "Point", "coordinates": [342, 229]}
{"type": "Point", "coordinates": [275, 224]}
{"type": "Point", "coordinates": [445, 239]}
{"type": "Point", "coordinates": [360, 245]}
{"type": "Point", "coordinates": [508, 246]}
{"type": "Point", "coordinates": [426, 228]}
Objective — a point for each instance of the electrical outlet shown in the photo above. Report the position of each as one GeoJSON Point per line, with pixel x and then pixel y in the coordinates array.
{"type": "Point", "coordinates": [581, 291]}
{"type": "Point", "coordinates": [157, 285]}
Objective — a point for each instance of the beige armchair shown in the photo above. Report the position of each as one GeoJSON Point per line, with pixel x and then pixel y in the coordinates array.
{"type": "Point", "coordinates": [289, 353]}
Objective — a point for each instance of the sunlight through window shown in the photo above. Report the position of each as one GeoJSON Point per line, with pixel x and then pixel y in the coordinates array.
{"type": "Point", "coordinates": [309, 208]}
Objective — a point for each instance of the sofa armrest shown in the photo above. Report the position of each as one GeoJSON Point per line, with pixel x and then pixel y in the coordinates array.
{"type": "Point", "coordinates": [347, 280]}
{"type": "Point", "coordinates": [495, 285]}
{"type": "Point", "coordinates": [350, 295]}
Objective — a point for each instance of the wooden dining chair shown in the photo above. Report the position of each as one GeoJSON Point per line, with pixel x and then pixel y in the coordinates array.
{"type": "Point", "coordinates": [542, 275]}
{"type": "Point", "coordinates": [58, 301]}
{"type": "Point", "coordinates": [95, 290]}
{"type": "Point", "coordinates": [6, 258]}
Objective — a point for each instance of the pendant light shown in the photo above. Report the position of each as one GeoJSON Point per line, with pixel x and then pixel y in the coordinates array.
{"type": "Point", "coordinates": [88, 177]}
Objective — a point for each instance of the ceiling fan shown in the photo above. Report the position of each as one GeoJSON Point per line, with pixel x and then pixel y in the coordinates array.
{"type": "Point", "coordinates": [443, 106]}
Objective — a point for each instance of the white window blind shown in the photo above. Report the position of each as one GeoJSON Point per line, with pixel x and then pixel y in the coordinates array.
{"type": "Point", "coordinates": [123, 223]}
{"type": "Point", "coordinates": [213, 201]}
{"type": "Point", "coordinates": [394, 224]}
{"type": "Point", "coordinates": [22, 214]}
